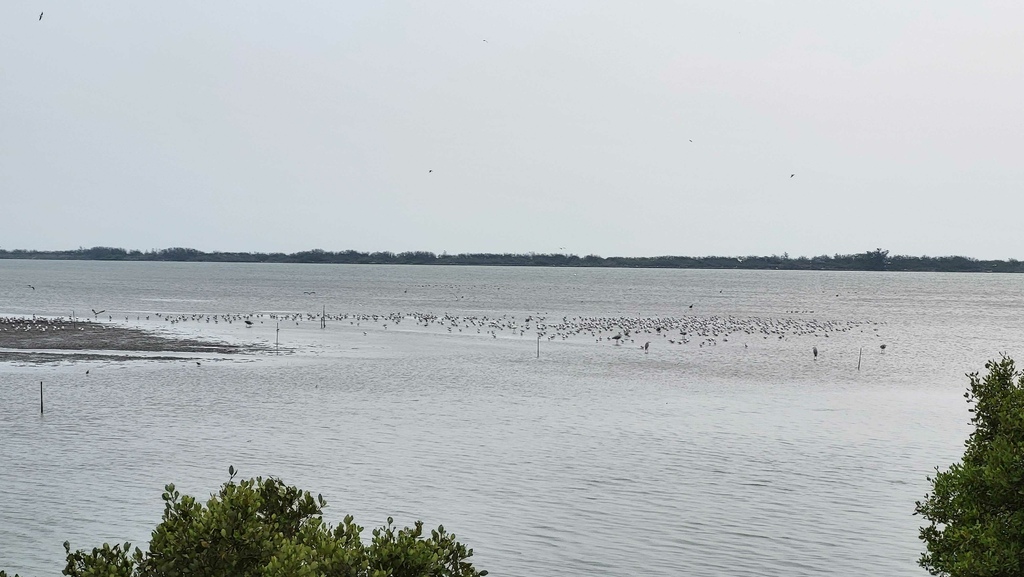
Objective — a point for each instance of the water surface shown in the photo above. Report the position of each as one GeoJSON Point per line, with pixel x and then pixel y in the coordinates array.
{"type": "Point", "coordinates": [745, 457]}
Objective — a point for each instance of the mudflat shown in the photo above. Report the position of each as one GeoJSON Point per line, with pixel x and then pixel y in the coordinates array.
{"type": "Point", "coordinates": [45, 339]}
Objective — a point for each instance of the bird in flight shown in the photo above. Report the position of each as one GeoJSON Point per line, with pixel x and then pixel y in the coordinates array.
{"type": "Point", "coordinates": [31, 287]}
{"type": "Point", "coordinates": [40, 16]}
{"type": "Point", "coordinates": [431, 170]}
{"type": "Point", "coordinates": [96, 312]}
{"type": "Point", "coordinates": [792, 175]}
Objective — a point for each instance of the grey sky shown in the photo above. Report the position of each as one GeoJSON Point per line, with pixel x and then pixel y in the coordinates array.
{"type": "Point", "coordinates": [294, 125]}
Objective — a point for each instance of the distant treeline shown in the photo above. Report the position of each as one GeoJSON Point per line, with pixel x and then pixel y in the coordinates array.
{"type": "Point", "coordinates": [878, 260]}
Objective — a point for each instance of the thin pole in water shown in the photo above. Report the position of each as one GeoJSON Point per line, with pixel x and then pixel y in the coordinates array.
{"type": "Point", "coordinates": [277, 340]}
{"type": "Point", "coordinates": [859, 357]}
{"type": "Point", "coordinates": [40, 397]}
{"type": "Point", "coordinates": [323, 318]}
{"type": "Point", "coordinates": [538, 346]}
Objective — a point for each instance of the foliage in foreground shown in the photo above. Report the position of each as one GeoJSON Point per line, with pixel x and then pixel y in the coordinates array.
{"type": "Point", "coordinates": [976, 508]}
{"type": "Point", "coordinates": [262, 527]}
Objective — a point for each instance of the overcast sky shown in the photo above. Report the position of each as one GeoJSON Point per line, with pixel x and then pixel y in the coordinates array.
{"type": "Point", "coordinates": [582, 126]}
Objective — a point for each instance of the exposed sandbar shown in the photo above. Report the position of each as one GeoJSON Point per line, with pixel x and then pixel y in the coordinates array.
{"type": "Point", "coordinates": [48, 339]}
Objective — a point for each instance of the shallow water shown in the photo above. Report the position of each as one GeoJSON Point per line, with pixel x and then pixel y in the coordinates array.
{"type": "Point", "coordinates": [743, 457]}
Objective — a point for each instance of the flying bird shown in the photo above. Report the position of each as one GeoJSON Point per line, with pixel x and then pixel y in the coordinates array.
{"type": "Point", "coordinates": [40, 16]}
{"type": "Point", "coordinates": [31, 287]}
{"type": "Point", "coordinates": [431, 170]}
{"type": "Point", "coordinates": [792, 175]}
{"type": "Point", "coordinates": [97, 313]}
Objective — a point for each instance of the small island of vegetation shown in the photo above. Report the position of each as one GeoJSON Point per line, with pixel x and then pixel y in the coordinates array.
{"type": "Point", "coordinates": [875, 260]}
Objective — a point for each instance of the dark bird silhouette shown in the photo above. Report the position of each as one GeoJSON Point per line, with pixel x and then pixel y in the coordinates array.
{"type": "Point", "coordinates": [97, 313]}
{"type": "Point", "coordinates": [87, 373]}
{"type": "Point", "coordinates": [431, 170]}
{"type": "Point", "coordinates": [31, 287]}
{"type": "Point", "coordinates": [40, 16]}
{"type": "Point", "coordinates": [815, 351]}
{"type": "Point", "coordinates": [248, 323]}
{"type": "Point", "coordinates": [792, 175]}
{"type": "Point", "coordinates": [198, 364]}
{"type": "Point", "coordinates": [882, 347]}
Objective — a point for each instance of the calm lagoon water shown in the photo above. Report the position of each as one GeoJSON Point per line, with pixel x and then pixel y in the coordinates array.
{"type": "Point", "coordinates": [741, 456]}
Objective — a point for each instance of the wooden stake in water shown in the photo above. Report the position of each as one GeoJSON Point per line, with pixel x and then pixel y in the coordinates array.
{"type": "Point", "coordinates": [277, 340]}
{"type": "Point", "coordinates": [40, 397]}
{"type": "Point", "coordinates": [538, 346]}
{"type": "Point", "coordinates": [859, 356]}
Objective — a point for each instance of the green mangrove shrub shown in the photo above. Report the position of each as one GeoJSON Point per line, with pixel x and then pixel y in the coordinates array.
{"type": "Point", "coordinates": [976, 508]}
{"type": "Point", "coordinates": [265, 528]}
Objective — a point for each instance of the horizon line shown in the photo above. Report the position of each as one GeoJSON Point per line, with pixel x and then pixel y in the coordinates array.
{"type": "Point", "coordinates": [785, 255]}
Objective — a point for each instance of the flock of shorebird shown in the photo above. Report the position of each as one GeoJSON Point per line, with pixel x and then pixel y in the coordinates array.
{"type": "Point", "coordinates": [34, 323]}
{"type": "Point", "coordinates": [701, 330]}
{"type": "Point", "coordinates": [616, 331]}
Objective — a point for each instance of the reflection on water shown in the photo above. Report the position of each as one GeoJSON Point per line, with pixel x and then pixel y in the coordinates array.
{"type": "Point", "coordinates": [746, 457]}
